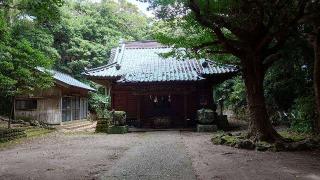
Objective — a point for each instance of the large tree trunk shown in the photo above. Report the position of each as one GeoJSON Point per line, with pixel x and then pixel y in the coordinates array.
{"type": "Point", "coordinates": [260, 127]}
{"type": "Point", "coordinates": [316, 78]}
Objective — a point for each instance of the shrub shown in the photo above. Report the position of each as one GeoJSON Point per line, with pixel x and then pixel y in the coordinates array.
{"type": "Point", "coordinates": [103, 125]}
{"type": "Point", "coordinates": [119, 118]}
{"type": "Point", "coordinates": [99, 104]}
{"type": "Point", "coordinates": [11, 134]}
{"type": "Point", "coordinates": [303, 114]}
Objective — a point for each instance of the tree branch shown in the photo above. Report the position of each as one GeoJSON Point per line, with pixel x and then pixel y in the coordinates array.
{"type": "Point", "coordinates": [268, 61]}
{"type": "Point", "coordinates": [206, 44]}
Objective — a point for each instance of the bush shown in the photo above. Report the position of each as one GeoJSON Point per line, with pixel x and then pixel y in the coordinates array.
{"type": "Point", "coordinates": [11, 134]}
{"type": "Point", "coordinates": [99, 104]}
{"type": "Point", "coordinates": [103, 125]}
{"type": "Point", "coordinates": [119, 117]}
{"type": "Point", "coordinates": [303, 114]}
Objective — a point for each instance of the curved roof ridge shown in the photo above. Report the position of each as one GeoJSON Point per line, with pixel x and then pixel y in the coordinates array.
{"type": "Point", "coordinates": [100, 67]}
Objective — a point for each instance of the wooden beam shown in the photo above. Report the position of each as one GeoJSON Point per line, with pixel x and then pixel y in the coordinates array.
{"type": "Point", "coordinates": [185, 108]}
{"type": "Point", "coordinates": [139, 110]}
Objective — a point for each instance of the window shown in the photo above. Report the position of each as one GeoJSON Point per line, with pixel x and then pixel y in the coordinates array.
{"type": "Point", "coordinates": [27, 104]}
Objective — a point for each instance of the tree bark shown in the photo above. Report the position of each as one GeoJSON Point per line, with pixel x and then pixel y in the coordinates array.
{"type": "Point", "coordinates": [316, 78]}
{"type": "Point", "coordinates": [260, 127]}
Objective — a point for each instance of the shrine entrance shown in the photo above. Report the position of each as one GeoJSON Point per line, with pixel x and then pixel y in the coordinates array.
{"type": "Point", "coordinates": [162, 111]}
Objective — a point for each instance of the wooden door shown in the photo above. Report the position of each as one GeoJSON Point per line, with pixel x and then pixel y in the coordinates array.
{"type": "Point", "coordinates": [66, 109]}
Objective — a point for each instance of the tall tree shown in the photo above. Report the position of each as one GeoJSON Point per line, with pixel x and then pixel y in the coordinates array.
{"type": "Point", "coordinates": [88, 31]}
{"type": "Point", "coordinates": [19, 57]}
{"type": "Point", "coordinates": [253, 31]}
{"type": "Point", "coordinates": [311, 21]}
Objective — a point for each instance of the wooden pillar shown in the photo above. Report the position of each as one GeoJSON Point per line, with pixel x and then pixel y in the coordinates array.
{"type": "Point", "coordinates": [185, 108]}
{"type": "Point", "coordinates": [139, 110]}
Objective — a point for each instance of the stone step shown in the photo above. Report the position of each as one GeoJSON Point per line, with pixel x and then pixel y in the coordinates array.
{"type": "Point", "coordinates": [76, 125]}
{"type": "Point", "coordinates": [90, 127]}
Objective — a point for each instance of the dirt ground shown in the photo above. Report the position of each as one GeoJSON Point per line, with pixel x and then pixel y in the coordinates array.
{"type": "Point", "coordinates": [60, 156]}
{"type": "Point", "coordinates": [100, 156]}
{"type": "Point", "coordinates": [222, 162]}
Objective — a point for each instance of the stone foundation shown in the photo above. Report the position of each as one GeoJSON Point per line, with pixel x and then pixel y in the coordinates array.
{"type": "Point", "coordinates": [206, 128]}
{"type": "Point", "coordinates": [118, 130]}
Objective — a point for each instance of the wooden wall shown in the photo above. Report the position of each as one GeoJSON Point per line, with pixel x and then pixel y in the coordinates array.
{"type": "Point", "coordinates": [49, 104]}
{"type": "Point", "coordinates": [48, 111]}
{"type": "Point", "coordinates": [126, 98]}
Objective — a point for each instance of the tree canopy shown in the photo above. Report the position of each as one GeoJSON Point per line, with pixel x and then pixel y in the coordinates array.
{"type": "Point", "coordinates": [253, 32]}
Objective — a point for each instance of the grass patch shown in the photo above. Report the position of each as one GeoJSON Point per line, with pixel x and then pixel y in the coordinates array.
{"type": "Point", "coordinates": [35, 132]}
{"type": "Point", "coordinates": [32, 132]}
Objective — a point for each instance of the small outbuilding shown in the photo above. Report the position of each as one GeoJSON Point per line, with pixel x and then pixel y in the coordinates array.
{"type": "Point", "coordinates": [154, 90]}
{"type": "Point", "coordinates": [66, 101]}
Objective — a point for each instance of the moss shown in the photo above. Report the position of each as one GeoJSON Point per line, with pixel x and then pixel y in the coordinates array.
{"type": "Point", "coordinates": [117, 129]}
{"type": "Point", "coordinates": [294, 136]}
{"type": "Point", "coordinates": [264, 146]}
{"type": "Point", "coordinates": [225, 139]}
{"type": "Point", "coordinates": [35, 132]}
{"type": "Point", "coordinates": [30, 133]}
{"type": "Point", "coordinates": [296, 142]}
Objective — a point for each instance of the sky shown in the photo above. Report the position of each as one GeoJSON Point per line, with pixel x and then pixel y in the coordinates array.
{"type": "Point", "coordinates": [142, 6]}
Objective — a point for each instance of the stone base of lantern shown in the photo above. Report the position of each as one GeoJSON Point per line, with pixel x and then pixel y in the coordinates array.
{"type": "Point", "coordinates": [206, 128]}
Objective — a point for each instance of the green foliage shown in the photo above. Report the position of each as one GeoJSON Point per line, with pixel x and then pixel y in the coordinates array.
{"type": "Point", "coordinates": [88, 31]}
{"type": "Point", "coordinates": [188, 34]}
{"type": "Point", "coordinates": [70, 35]}
{"type": "Point", "coordinates": [11, 134]}
{"type": "Point", "coordinates": [119, 117]}
{"type": "Point", "coordinates": [25, 44]}
{"type": "Point", "coordinates": [102, 125]}
{"type": "Point", "coordinates": [225, 139]}
{"type": "Point", "coordinates": [303, 114]}
{"type": "Point", "coordinates": [18, 62]}
{"type": "Point", "coordinates": [99, 104]}
{"type": "Point", "coordinates": [234, 95]}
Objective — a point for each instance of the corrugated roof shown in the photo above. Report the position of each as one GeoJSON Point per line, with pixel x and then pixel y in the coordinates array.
{"type": "Point", "coordinates": [142, 62]}
{"type": "Point", "coordinates": [67, 79]}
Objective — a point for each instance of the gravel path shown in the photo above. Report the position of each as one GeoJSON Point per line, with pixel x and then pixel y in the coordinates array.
{"type": "Point", "coordinates": [159, 155]}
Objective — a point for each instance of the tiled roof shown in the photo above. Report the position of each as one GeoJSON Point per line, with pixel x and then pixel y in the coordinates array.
{"type": "Point", "coordinates": [67, 79]}
{"type": "Point", "coordinates": [141, 62]}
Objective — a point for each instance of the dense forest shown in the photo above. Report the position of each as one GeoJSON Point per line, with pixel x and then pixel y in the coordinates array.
{"type": "Point", "coordinates": [273, 50]}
